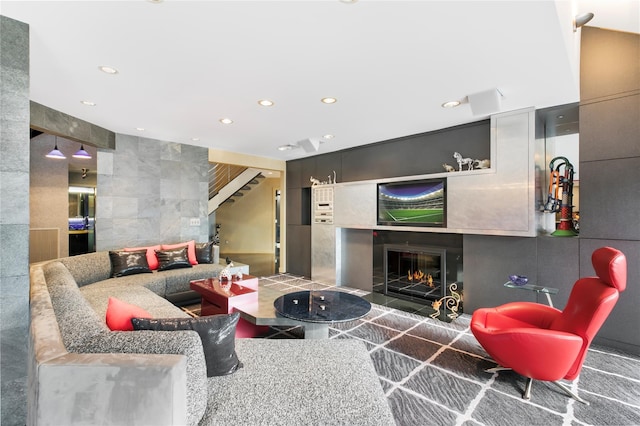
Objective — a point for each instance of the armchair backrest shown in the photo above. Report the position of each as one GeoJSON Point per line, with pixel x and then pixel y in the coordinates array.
{"type": "Point", "coordinates": [592, 299]}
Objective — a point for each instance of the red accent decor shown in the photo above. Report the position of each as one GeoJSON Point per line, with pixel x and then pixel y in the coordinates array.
{"type": "Point", "coordinates": [544, 343]}
{"type": "Point", "coordinates": [119, 314]}
{"type": "Point", "coordinates": [191, 250]}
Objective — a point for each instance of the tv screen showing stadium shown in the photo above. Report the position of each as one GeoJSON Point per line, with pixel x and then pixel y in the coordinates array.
{"type": "Point", "coordinates": [412, 203]}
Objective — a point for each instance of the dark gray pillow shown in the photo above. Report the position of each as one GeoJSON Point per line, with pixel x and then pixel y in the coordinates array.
{"type": "Point", "coordinates": [173, 259]}
{"type": "Point", "coordinates": [217, 332]}
{"type": "Point", "coordinates": [128, 263]}
{"type": "Point", "coordinates": [204, 252]}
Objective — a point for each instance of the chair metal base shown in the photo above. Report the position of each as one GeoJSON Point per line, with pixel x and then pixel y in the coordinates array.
{"type": "Point", "coordinates": [527, 389]}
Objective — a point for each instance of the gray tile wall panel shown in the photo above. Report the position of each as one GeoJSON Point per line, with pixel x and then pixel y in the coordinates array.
{"type": "Point", "coordinates": [488, 261]}
{"type": "Point", "coordinates": [356, 258]}
{"type": "Point", "coordinates": [14, 218]}
{"type": "Point", "coordinates": [558, 266]}
{"type": "Point", "coordinates": [608, 63]}
{"type": "Point", "coordinates": [299, 249]}
{"type": "Point", "coordinates": [610, 199]}
{"type": "Point", "coordinates": [610, 129]}
{"type": "Point", "coordinates": [622, 328]}
{"type": "Point", "coordinates": [148, 192]}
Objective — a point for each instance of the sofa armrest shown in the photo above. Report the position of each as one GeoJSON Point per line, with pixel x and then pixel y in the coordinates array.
{"type": "Point", "coordinates": [165, 343]}
{"type": "Point", "coordinates": [115, 389]}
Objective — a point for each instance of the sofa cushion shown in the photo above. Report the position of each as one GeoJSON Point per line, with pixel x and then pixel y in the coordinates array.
{"type": "Point", "coordinates": [154, 282]}
{"type": "Point", "coordinates": [125, 263]}
{"type": "Point", "coordinates": [152, 260]}
{"type": "Point", "coordinates": [191, 249]}
{"type": "Point", "coordinates": [77, 320]}
{"type": "Point", "coordinates": [98, 297]}
{"type": "Point", "coordinates": [204, 252]}
{"type": "Point", "coordinates": [217, 332]}
{"type": "Point", "coordinates": [88, 268]}
{"type": "Point", "coordinates": [300, 382]}
{"type": "Point", "coordinates": [119, 314]}
{"type": "Point", "coordinates": [177, 280]}
{"type": "Point", "coordinates": [173, 259]}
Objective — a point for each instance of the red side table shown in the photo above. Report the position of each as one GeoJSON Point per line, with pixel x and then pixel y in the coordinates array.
{"type": "Point", "coordinates": [220, 298]}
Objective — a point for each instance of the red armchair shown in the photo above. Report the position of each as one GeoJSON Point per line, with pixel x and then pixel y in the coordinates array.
{"type": "Point", "coordinates": [544, 343]}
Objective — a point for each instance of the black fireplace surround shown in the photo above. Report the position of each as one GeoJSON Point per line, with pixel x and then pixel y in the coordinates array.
{"type": "Point", "coordinates": [419, 268]}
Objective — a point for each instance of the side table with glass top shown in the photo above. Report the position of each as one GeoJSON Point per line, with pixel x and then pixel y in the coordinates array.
{"type": "Point", "coordinates": [547, 291]}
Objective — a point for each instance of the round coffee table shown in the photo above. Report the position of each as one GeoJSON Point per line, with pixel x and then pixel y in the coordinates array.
{"type": "Point", "coordinates": [324, 306]}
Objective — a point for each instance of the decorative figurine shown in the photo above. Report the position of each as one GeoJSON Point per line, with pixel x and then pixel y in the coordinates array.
{"type": "Point", "coordinates": [226, 273]}
{"type": "Point", "coordinates": [314, 181]}
{"type": "Point", "coordinates": [562, 205]}
{"type": "Point", "coordinates": [462, 161]}
{"type": "Point", "coordinates": [448, 167]}
{"type": "Point", "coordinates": [518, 279]}
{"type": "Point", "coordinates": [481, 164]}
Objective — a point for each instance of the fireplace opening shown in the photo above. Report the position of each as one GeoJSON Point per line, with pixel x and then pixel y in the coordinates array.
{"type": "Point", "coordinates": [416, 272]}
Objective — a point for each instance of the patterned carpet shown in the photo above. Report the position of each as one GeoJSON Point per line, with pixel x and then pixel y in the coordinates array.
{"type": "Point", "coordinates": [433, 373]}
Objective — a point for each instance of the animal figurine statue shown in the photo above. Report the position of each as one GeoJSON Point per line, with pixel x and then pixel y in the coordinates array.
{"type": "Point", "coordinates": [448, 167]}
{"type": "Point", "coordinates": [314, 181]}
{"type": "Point", "coordinates": [481, 164]}
{"type": "Point", "coordinates": [462, 161]}
{"type": "Point", "coordinates": [226, 273]}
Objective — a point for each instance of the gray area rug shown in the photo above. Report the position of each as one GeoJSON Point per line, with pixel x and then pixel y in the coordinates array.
{"type": "Point", "coordinates": [433, 373]}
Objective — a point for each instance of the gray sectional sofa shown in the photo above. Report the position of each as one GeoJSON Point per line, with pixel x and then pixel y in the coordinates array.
{"type": "Point", "coordinates": [82, 373]}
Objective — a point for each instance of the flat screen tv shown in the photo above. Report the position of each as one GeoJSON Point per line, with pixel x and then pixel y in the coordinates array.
{"type": "Point", "coordinates": [413, 203]}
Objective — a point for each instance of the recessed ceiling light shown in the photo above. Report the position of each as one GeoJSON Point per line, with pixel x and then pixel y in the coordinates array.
{"type": "Point", "coordinates": [88, 103]}
{"type": "Point", "coordinates": [140, 129]}
{"type": "Point", "coordinates": [226, 120]}
{"type": "Point", "coordinates": [328, 136]}
{"type": "Point", "coordinates": [451, 104]}
{"type": "Point", "coordinates": [265, 102]}
{"type": "Point", "coordinates": [107, 69]}
{"type": "Point", "coordinates": [348, 1]}
{"type": "Point", "coordinates": [195, 139]}
{"type": "Point", "coordinates": [286, 147]}
{"type": "Point", "coordinates": [328, 100]}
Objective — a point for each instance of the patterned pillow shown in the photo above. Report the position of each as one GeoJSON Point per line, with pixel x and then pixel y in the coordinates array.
{"type": "Point", "coordinates": [191, 249]}
{"type": "Point", "coordinates": [128, 263]}
{"type": "Point", "coordinates": [204, 252]}
{"type": "Point", "coordinates": [152, 260]}
{"type": "Point", "coordinates": [172, 259]}
{"type": "Point", "coordinates": [218, 335]}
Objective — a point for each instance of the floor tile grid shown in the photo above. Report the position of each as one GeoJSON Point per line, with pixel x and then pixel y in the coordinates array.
{"type": "Point", "coordinates": [461, 327]}
{"type": "Point", "coordinates": [462, 417]}
{"type": "Point", "coordinates": [393, 386]}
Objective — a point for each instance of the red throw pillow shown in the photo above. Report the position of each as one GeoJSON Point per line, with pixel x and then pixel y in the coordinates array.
{"type": "Point", "coordinates": [152, 260]}
{"type": "Point", "coordinates": [119, 314]}
{"type": "Point", "coordinates": [191, 250]}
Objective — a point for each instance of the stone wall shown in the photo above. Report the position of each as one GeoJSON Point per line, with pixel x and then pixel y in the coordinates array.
{"type": "Point", "coordinates": [148, 192]}
{"type": "Point", "coordinates": [14, 218]}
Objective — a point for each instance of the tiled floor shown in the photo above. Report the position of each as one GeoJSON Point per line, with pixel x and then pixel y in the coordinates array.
{"type": "Point", "coordinates": [433, 373]}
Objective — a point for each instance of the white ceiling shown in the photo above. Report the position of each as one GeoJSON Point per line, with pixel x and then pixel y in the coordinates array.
{"type": "Point", "coordinates": [183, 65]}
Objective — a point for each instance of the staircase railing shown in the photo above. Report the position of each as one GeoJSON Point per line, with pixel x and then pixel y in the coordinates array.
{"type": "Point", "coordinates": [220, 175]}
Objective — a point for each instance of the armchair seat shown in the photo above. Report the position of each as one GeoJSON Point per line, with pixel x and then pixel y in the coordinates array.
{"type": "Point", "coordinates": [544, 343]}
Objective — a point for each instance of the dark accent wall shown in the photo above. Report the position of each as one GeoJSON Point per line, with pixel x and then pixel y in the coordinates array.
{"type": "Point", "coordinates": [407, 156]}
{"type": "Point", "coordinates": [610, 165]}
{"type": "Point", "coordinates": [609, 191]}
{"type": "Point", "coordinates": [14, 218]}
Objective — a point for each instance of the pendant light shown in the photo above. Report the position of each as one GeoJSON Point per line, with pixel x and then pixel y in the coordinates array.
{"type": "Point", "coordinates": [82, 153]}
{"type": "Point", "coordinates": [56, 153]}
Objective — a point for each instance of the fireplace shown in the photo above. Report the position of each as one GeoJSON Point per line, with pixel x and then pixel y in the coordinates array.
{"type": "Point", "coordinates": [415, 272]}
